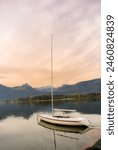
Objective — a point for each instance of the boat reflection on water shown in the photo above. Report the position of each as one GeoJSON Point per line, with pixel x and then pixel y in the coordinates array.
{"type": "Point", "coordinates": [60, 130]}
{"type": "Point", "coordinates": [83, 136]}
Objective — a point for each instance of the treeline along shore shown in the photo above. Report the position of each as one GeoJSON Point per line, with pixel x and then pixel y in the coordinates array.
{"type": "Point", "coordinates": [44, 98]}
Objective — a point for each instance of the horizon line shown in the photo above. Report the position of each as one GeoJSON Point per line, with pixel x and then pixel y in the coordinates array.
{"type": "Point", "coordinates": [50, 84]}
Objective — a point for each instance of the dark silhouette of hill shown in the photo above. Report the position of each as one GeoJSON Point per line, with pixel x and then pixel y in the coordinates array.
{"type": "Point", "coordinates": [25, 90]}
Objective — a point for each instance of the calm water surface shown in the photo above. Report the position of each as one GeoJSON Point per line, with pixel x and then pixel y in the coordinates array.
{"type": "Point", "coordinates": [19, 129]}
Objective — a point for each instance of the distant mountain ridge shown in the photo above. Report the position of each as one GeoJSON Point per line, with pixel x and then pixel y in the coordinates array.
{"type": "Point", "coordinates": [12, 93]}
{"type": "Point", "coordinates": [25, 90]}
{"type": "Point", "coordinates": [85, 87]}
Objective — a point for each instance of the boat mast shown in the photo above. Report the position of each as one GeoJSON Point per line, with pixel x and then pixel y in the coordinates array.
{"type": "Point", "coordinates": [52, 73]}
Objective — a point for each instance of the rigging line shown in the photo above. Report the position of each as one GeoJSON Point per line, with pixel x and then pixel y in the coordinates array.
{"type": "Point", "coordinates": [52, 73]}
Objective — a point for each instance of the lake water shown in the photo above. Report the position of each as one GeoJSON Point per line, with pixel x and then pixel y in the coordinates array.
{"type": "Point", "coordinates": [19, 129]}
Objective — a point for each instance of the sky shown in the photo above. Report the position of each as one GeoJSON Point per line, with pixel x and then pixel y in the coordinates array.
{"type": "Point", "coordinates": [25, 31]}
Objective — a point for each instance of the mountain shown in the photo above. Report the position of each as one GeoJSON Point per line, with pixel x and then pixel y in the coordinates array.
{"type": "Point", "coordinates": [6, 92]}
{"type": "Point", "coordinates": [25, 90]}
{"type": "Point", "coordinates": [23, 87]}
{"type": "Point", "coordinates": [12, 93]}
{"type": "Point", "coordinates": [45, 89]}
{"type": "Point", "coordinates": [85, 87]}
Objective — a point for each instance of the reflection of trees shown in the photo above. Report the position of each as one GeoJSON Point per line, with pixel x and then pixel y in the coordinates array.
{"type": "Point", "coordinates": [27, 109]}
{"type": "Point", "coordinates": [24, 110]}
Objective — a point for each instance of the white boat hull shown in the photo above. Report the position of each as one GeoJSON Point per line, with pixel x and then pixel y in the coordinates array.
{"type": "Point", "coordinates": [63, 121]}
{"type": "Point", "coordinates": [69, 129]}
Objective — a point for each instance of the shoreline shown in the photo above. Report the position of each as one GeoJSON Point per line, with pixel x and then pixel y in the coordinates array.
{"type": "Point", "coordinates": [49, 100]}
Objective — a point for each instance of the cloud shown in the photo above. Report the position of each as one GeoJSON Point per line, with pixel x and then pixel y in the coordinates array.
{"type": "Point", "coordinates": [25, 31]}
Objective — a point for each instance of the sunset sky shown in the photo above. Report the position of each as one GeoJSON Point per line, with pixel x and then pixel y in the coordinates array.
{"type": "Point", "coordinates": [25, 30]}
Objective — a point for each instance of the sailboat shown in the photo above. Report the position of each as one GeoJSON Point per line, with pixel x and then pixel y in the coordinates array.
{"type": "Point", "coordinates": [64, 120]}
